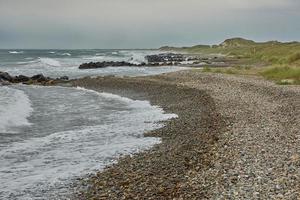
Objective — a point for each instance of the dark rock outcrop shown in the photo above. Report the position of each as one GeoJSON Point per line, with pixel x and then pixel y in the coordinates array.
{"type": "Point", "coordinates": [7, 79]}
{"type": "Point", "coordinates": [5, 76]}
{"type": "Point", "coordinates": [40, 78]}
{"type": "Point", "coordinates": [20, 78]}
{"type": "Point", "coordinates": [94, 65]}
{"type": "Point", "coordinates": [165, 57]}
{"type": "Point", "coordinates": [162, 59]}
{"type": "Point", "coordinates": [64, 78]}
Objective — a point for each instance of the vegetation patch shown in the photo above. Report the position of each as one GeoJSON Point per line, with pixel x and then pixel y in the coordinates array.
{"type": "Point", "coordinates": [283, 75]}
{"type": "Point", "coordinates": [271, 53]}
{"type": "Point", "coordinates": [293, 58]}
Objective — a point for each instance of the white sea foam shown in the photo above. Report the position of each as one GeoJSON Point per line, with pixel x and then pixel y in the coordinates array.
{"type": "Point", "coordinates": [47, 64]}
{"type": "Point", "coordinates": [42, 165]}
{"type": "Point", "coordinates": [66, 54]}
{"type": "Point", "coordinates": [103, 58]}
{"type": "Point", "coordinates": [15, 52]}
{"type": "Point", "coordinates": [44, 61]}
{"type": "Point", "coordinates": [100, 54]}
{"type": "Point", "coordinates": [130, 102]}
{"type": "Point", "coordinates": [52, 52]}
{"type": "Point", "coordinates": [50, 62]}
{"type": "Point", "coordinates": [15, 108]}
{"type": "Point", "coordinates": [28, 62]}
{"type": "Point", "coordinates": [134, 57]}
{"type": "Point", "coordinates": [108, 95]}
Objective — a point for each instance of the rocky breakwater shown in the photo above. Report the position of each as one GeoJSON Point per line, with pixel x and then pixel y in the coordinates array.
{"type": "Point", "coordinates": [166, 57]}
{"type": "Point", "coordinates": [40, 79]}
{"type": "Point", "coordinates": [188, 60]}
{"type": "Point", "coordinates": [163, 59]}
{"type": "Point", "coordinates": [94, 65]}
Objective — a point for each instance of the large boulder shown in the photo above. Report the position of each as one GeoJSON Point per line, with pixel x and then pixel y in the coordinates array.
{"type": "Point", "coordinates": [94, 65]}
{"type": "Point", "coordinates": [165, 57]}
{"type": "Point", "coordinates": [39, 78]}
{"type": "Point", "coordinates": [21, 78]}
{"type": "Point", "coordinates": [6, 77]}
{"type": "Point", "coordinates": [4, 82]}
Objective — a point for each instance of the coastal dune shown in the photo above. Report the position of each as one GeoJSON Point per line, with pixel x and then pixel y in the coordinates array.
{"type": "Point", "coordinates": [235, 137]}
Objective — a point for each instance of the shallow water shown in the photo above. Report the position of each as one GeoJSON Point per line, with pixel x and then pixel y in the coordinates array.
{"type": "Point", "coordinates": [65, 133]}
{"type": "Point", "coordinates": [51, 135]}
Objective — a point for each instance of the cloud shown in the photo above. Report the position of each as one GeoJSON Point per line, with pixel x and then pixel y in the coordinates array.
{"type": "Point", "coordinates": [260, 4]}
{"type": "Point", "coordinates": [142, 23]}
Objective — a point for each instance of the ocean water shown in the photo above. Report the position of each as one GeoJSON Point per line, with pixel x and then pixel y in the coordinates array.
{"type": "Point", "coordinates": [49, 136]}
{"type": "Point", "coordinates": [56, 63]}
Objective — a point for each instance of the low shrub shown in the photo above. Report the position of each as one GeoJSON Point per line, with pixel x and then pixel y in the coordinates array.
{"type": "Point", "coordinates": [293, 58]}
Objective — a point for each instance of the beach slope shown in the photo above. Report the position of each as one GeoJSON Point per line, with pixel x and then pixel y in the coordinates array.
{"type": "Point", "coordinates": [235, 137]}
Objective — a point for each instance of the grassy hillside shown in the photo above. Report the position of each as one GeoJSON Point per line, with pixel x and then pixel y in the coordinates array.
{"type": "Point", "coordinates": [272, 52]}
{"type": "Point", "coordinates": [283, 75]}
{"type": "Point", "coordinates": [272, 60]}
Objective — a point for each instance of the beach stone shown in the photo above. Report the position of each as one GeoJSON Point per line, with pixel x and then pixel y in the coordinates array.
{"type": "Point", "coordinates": [236, 137]}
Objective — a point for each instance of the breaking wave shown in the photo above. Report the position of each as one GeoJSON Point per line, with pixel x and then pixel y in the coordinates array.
{"type": "Point", "coordinates": [15, 52]}
{"type": "Point", "coordinates": [15, 108]}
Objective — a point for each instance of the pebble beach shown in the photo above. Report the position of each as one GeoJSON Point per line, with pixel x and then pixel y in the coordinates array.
{"type": "Point", "coordinates": [235, 137]}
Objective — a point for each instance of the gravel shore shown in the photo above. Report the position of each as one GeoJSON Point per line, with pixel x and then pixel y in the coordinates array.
{"type": "Point", "coordinates": [236, 137]}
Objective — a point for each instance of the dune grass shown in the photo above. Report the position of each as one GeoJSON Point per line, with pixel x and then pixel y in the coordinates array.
{"type": "Point", "coordinates": [271, 53]}
{"type": "Point", "coordinates": [281, 61]}
{"type": "Point", "coordinates": [284, 75]}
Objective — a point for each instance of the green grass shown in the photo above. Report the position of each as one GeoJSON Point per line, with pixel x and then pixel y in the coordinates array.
{"type": "Point", "coordinates": [281, 61]}
{"type": "Point", "coordinates": [207, 69]}
{"type": "Point", "coordinates": [293, 58]}
{"type": "Point", "coordinates": [271, 53]}
{"type": "Point", "coordinates": [283, 75]}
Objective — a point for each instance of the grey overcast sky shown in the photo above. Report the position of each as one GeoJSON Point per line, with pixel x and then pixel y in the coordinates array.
{"type": "Point", "coordinates": [143, 23]}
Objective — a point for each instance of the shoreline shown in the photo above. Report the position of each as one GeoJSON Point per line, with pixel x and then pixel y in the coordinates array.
{"type": "Point", "coordinates": [220, 146]}
{"type": "Point", "coordinates": [162, 169]}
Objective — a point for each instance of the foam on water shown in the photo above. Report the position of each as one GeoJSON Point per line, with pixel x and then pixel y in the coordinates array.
{"type": "Point", "coordinates": [15, 108]}
{"type": "Point", "coordinates": [65, 63]}
{"type": "Point", "coordinates": [15, 52]}
{"type": "Point", "coordinates": [74, 131]}
{"type": "Point", "coordinates": [50, 62]}
{"type": "Point", "coordinates": [66, 54]}
{"type": "Point", "coordinates": [113, 96]}
{"type": "Point", "coordinates": [62, 133]}
{"type": "Point", "coordinates": [136, 57]}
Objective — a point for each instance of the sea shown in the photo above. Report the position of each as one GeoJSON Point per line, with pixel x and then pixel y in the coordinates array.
{"type": "Point", "coordinates": [50, 135]}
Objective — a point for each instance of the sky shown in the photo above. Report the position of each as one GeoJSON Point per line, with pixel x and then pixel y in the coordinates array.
{"type": "Point", "coordinates": [106, 24]}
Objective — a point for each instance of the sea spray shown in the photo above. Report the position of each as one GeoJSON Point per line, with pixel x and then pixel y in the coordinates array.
{"type": "Point", "coordinates": [15, 108]}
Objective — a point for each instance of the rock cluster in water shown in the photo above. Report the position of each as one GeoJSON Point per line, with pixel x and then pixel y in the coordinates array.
{"type": "Point", "coordinates": [163, 59]}
{"type": "Point", "coordinates": [7, 79]}
{"type": "Point", "coordinates": [93, 65]}
{"type": "Point", "coordinates": [166, 57]}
